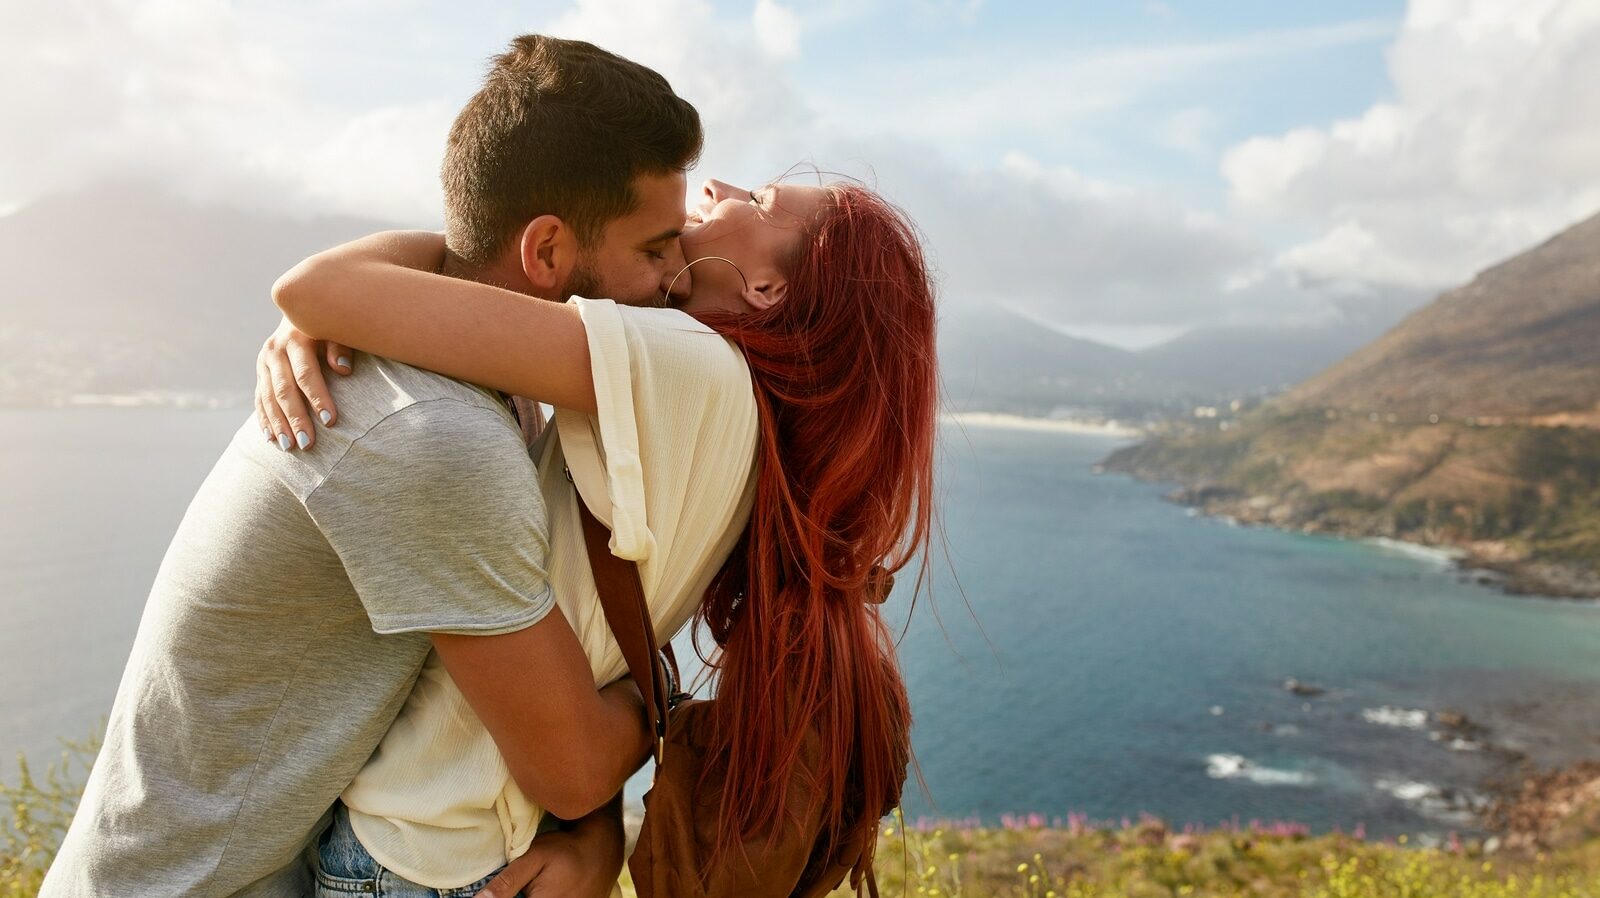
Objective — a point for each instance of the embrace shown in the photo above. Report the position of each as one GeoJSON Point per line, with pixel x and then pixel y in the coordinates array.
{"type": "Point", "coordinates": [375, 659]}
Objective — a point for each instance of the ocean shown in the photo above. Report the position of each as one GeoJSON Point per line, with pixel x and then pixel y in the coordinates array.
{"type": "Point", "coordinates": [1084, 648]}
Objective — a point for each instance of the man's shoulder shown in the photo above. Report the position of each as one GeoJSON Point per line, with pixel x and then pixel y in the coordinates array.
{"type": "Point", "coordinates": [393, 415]}
{"type": "Point", "coordinates": [380, 387]}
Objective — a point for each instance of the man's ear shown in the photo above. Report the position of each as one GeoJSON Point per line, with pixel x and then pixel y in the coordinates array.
{"type": "Point", "coordinates": [764, 294]}
{"type": "Point", "coordinates": [549, 251]}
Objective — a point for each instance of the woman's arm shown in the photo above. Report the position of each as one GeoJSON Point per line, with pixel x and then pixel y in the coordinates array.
{"type": "Point", "coordinates": [380, 294]}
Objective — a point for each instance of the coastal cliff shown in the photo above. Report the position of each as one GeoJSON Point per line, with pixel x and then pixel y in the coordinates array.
{"type": "Point", "coordinates": [1473, 425]}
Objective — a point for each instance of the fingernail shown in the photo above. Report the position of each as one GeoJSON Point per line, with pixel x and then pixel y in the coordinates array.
{"type": "Point", "coordinates": [343, 361]}
{"type": "Point", "coordinates": [283, 441]}
{"type": "Point", "coordinates": [325, 415]}
{"type": "Point", "coordinates": [266, 433]}
{"type": "Point", "coordinates": [301, 438]}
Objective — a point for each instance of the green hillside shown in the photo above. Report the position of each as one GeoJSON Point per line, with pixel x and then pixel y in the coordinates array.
{"type": "Point", "coordinates": [1474, 424]}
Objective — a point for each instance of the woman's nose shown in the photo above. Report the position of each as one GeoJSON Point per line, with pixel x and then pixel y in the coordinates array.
{"type": "Point", "coordinates": [717, 191]}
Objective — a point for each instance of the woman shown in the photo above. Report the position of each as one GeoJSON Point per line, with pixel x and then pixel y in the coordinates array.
{"type": "Point", "coordinates": [826, 294]}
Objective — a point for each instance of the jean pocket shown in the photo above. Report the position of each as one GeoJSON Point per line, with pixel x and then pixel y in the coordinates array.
{"type": "Point", "coordinates": [341, 856]}
{"type": "Point", "coordinates": [343, 886]}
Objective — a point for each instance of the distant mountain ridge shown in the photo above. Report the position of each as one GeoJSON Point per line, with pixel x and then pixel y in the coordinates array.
{"type": "Point", "coordinates": [124, 288]}
{"type": "Point", "coordinates": [996, 360]}
{"type": "Point", "coordinates": [1521, 339]}
{"type": "Point", "coordinates": [1473, 424]}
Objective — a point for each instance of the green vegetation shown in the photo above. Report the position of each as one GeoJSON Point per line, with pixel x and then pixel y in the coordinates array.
{"type": "Point", "coordinates": [1519, 497]}
{"type": "Point", "coordinates": [1025, 858]}
{"type": "Point", "coordinates": [39, 809]}
{"type": "Point", "coordinates": [1148, 860]}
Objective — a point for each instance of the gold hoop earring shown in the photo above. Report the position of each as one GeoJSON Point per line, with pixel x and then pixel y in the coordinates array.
{"type": "Point", "coordinates": [674, 281]}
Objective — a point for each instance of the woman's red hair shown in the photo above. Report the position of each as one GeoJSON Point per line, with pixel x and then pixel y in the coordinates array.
{"type": "Point", "coordinates": [846, 388]}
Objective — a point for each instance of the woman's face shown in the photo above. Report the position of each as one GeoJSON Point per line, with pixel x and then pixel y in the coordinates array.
{"type": "Point", "coordinates": [759, 231]}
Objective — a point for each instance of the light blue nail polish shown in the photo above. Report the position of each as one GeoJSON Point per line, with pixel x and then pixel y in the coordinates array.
{"type": "Point", "coordinates": [343, 361]}
{"type": "Point", "coordinates": [283, 442]}
{"type": "Point", "coordinates": [266, 433]}
{"type": "Point", "coordinates": [301, 438]}
{"type": "Point", "coordinates": [325, 415]}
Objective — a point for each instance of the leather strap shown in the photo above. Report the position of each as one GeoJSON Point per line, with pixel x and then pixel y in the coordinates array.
{"type": "Point", "coordinates": [622, 600]}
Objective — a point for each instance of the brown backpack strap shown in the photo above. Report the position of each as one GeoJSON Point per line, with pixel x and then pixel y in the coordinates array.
{"type": "Point", "coordinates": [622, 600]}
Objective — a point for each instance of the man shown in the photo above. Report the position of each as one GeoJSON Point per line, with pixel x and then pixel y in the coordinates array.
{"type": "Point", "coordinates": [304, 589]}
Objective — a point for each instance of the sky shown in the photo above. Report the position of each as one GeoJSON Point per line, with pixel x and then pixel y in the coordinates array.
{"type": "Point", "coordinates": [1122, 171]}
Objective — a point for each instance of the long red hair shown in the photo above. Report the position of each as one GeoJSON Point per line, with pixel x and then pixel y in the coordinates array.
{"type": "Point", "coordinates": [846, 387]}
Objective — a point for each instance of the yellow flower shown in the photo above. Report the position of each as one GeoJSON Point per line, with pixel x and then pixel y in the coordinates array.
{"type": "Point", "coordinates": [1022, 868]}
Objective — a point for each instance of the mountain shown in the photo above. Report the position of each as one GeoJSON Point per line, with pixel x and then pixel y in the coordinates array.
{"type": "Point", "coordinates": [1520, 340]}
{"type": "Point", "coordinates": [1243, 360]}
{"type": "Point", "coordinates": [993, 359]}
{"type": "Point", "coordinates": [125, 288]}
{"type": "Point", "coordinates": [997, 360]}
{"type": "Point", "coordinates": [1472, 425]}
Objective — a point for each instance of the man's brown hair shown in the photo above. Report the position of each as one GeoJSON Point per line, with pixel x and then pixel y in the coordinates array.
{"type": "Point", "coordinates": [562, 128]}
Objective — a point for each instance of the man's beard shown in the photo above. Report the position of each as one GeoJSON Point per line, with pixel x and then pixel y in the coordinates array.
{"type": "Point", "coordinates": [584, 281]}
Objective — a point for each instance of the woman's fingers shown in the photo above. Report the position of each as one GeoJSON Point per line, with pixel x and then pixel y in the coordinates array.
{"type": "Point", "coordinates": [276, 422]}
{"type": "Point", "coordinates": [286, 395]}
{"type": "Point", "coordinates": [339, 357]}
{"type": "Point", "coordinates": [306, 366]}
{"type": "Point", "coordinates": [511, 880]}
{"type": "Point", "coordinates": [262, 419]}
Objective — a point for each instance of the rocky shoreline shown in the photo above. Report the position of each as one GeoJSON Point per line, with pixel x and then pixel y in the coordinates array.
{"type": "Point", "coordinates": [1549, 809]}
{"type": "Point", "coordinates": [1492, 563]}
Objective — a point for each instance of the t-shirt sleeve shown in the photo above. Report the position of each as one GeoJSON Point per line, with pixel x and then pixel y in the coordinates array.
{"type": "Point", "coordinates": [437, 516]}
{"type": "Point", "coordinates": [674, 409]}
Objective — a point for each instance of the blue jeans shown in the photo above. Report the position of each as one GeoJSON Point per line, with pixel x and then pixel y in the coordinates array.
{"type": "Point", "coordinates": [345, 869]}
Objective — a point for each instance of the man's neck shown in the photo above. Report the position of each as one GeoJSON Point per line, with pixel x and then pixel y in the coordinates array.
{"type": "Point", "coordinates": [503, 273]}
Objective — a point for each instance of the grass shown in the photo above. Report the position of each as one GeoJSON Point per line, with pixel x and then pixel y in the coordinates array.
{"type": "Point", "coordinates": [39, 807]}
{"type": "Point", "coordinates": [1147, 859]}
{"type": "Point", "coordinates": [1029, 857]}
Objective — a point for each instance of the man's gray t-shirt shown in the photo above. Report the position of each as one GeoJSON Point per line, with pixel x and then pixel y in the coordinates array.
{"type": "Point", "coordinates": [287, 625]}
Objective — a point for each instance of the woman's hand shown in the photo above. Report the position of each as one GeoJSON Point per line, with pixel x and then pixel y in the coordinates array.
{"type": "Point", "coordinates": [556, 865]}
{"type": "Point", "coordinates": [290, 386]}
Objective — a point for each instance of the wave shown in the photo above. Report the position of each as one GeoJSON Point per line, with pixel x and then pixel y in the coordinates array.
{"type": "Point", "coordinates": [1239, 767]}
{"type": "Point", "coordinates": [1441, 555]}
{"type": "Point", "coordinates": [1060, 425]}
{"type": "Point", "coordinates": [1410, 791]}
{"type": "Point", "coordinates": [1391, 716]}
{"type": "Point", "coordinates": [1443, 804]}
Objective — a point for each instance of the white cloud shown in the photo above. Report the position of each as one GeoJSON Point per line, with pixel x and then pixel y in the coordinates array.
{"type": "Point", "coordinates": [1189, 131]}
{"type": "Point", "coordinates": [177, 90]}
{"type": "Point", "coordinates": [1032, 96]}
{"type": "Point", "coordinates": [1489, 145]}
{"type": "Point", "coordinates": [1069, 249]}
{"type": "Point", "coordinates": [777, 28]}
{"type": "Point", "coordinates": [1480, 151]}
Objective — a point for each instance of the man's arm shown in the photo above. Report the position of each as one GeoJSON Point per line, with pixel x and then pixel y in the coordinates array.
{"type": "Point", "coordinates": [569, 747]}
{"type": "Point", "coordinates": [437, 517]}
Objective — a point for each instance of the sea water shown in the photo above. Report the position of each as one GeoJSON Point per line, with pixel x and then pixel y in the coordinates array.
{"type": "Point", "coordinates": [1085, 647]}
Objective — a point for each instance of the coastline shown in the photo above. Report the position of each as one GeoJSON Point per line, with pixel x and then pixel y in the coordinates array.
{"type": "Point", "coordinates": [1000, 420]}
{"type": "Point", "coordinates": [1486, 562]}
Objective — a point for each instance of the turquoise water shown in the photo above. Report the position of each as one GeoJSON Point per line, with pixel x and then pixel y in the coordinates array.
{"type": "Point", "coordinates": [1106, 653]}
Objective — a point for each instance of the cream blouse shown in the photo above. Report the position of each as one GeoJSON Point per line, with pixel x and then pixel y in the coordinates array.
{"type": "Point", "coordinates": [672, 449]}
